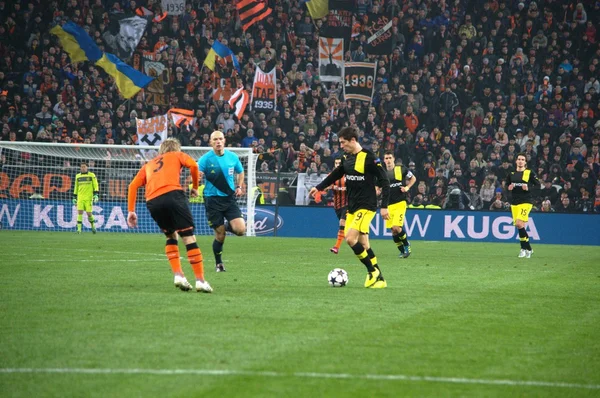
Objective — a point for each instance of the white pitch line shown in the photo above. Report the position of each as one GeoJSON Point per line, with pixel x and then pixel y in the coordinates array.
{"type": "Point", "coordinates": [78, 260]}
{"type": "Point", "coordinates": [312, 375]}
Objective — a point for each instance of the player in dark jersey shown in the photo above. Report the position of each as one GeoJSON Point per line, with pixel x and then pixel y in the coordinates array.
{"type": "Point", "coordinates": [363, 173]}
{"type": "Point", "coordinates": [340, 205]}
{"type": "Point", "coordinates": [519, 183]}
{"type": "Point", "coordinates": [401, 180]}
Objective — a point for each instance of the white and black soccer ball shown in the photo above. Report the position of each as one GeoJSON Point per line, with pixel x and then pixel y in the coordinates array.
{"type": "Point", "coordinates": [338, 278]}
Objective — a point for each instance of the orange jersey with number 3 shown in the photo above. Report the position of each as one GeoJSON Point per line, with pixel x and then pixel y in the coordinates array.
{"type": "Point", "coordinates": [161, 175]}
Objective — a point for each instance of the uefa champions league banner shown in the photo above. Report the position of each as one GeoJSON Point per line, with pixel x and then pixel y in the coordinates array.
{"type": "Point", "coordinates": [317, 222]}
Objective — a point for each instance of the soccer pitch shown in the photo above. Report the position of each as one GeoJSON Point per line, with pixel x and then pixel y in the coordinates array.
{"type": "Point", "coordinates": [98, 316]}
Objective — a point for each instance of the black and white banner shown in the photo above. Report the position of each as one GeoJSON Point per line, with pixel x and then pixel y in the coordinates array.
{"type": "Point", "coordinates": [264, 96]}
{"type": "Point", "coordinates": [378, 30]}
{"type": "Point", "coordinates": [359, 79]}
{"type": "Point", "coordinates": [153, 131]}
{"type": "Point", "coordinates": [124, 34]}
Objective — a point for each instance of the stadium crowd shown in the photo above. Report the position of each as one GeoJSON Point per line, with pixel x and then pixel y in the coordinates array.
{"type": "Point", "coordinates": [469, 84]}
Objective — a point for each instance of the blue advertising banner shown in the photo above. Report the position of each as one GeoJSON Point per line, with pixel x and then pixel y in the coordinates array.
{"type": "Point", "coordinates": [319, 222]}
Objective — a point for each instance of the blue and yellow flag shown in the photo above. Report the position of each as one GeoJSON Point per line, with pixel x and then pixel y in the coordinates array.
{"type": "Point", "coordinates": [77, 43]}
{"type": "Point", "coordinates": [222, 51]}
{"type": "Point", "coordinates": [129, 81]}
{"type": "Point", "coordinates": [81, 47]}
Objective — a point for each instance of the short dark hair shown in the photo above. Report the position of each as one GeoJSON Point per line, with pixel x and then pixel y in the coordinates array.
{"type": "Point", "coordinates": [389, 153]}
{"type": "Point", "coordinates": [521, 154]}
{"type": "Point", "coordinates": [348, 133]}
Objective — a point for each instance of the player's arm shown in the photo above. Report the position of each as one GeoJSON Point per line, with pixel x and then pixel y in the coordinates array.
{"type": "Point", "coordinates": [95, 188]}
{"type": "Point", "coordinates": [239, 169]}
{"type": "Point", "coordinates": [138, 181]}
{"type": "Point", "coordinates": [188, 162]}
{"type": "Point", "coordinates": [335, 175]}
{"type": "Point", "coordinates": [411, 181]}
{"type": "Point", "coordinates": [239, 183]}
{"type": "Point", "coordinates": [534, 181]}
{"type": "Point", "coordinates": [508, 183]}
{"type": "Point", "coordinates": [75, 189]}
{"type": "Point", "coordinates": [381, 180]}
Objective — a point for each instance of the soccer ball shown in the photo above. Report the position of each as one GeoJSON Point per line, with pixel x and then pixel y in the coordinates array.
{"type": "Point", "coordinates": [338, 278]}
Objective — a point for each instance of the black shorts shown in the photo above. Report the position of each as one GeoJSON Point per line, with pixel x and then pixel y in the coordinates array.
{"type": "Point", "coordinates": [171, 212]}
{"type": "Point", "coordinates": [341, 213]}
{"type": "Point", "coordinates": [219, 209]}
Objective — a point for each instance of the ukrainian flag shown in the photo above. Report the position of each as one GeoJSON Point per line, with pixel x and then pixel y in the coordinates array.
{"type": "Point", "coordinates": [222, 51]}
{"type": "Point", "coordinates": [129, 81]}
{"type": "Point", "coordinates": [77, 42]}
{"type": "Point", "coordinates": [81, 47]}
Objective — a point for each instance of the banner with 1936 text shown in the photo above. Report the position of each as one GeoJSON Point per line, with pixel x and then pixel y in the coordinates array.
{"type": "Point", "coordinates": [359, 80]}
{"type": "Point", "coordinates": [264, 96]}
{"type": "Point", "coordinates": [173, 7]}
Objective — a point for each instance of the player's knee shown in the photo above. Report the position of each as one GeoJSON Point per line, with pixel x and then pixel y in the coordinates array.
{"type": "Point", "coordinates": [189, 240]}
{"type": "Point", "coordinates": [220, 234]}
{"type": "Point", "coordinates": [351, 240]}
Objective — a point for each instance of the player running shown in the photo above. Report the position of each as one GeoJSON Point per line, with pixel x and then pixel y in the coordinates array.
{"type": "Point", "coordinates": [363, 173]}
{"type": "Point", "coordinates": [518, 183]}
{"type": "Point", "coordinates": [168, 206]}
{"type": "Point", "coordinates": [84, 193]}
{"type": "Point", "coordinates": [401, 180]}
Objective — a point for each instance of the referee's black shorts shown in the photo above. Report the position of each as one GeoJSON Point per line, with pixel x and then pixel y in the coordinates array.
{"type": "Point", "coordinates": [221, 208]}
{"type": "Point", "coordinates": [172, 213]}
{"type": "Point", "coordinates": [341, 213]}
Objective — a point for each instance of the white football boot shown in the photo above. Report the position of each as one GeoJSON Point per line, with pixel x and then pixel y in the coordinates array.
{"type": "Point", "coordinates": [528, 253]}
{"type": "Point", "coordinates": [182, 283]}
{"type": "Point", "coordinates": [523, 253]}
{"type": "Point", "coordinates": [203, 287]}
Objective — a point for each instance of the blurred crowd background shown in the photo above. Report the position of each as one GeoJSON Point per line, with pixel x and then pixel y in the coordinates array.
{"type": "Point", "coordinates": [468, 85]}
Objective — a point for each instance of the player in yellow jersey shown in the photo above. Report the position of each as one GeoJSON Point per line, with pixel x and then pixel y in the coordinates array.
{"type": "Point", "coordinates": [519, 183]}
{"type": "Point", "coordinates": [401, 181]}
{"type": "Point", "coordinates": [84, 193]}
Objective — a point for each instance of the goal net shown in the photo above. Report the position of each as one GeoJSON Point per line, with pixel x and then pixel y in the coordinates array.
{"type": "Point", "coordinates": [37, 181]}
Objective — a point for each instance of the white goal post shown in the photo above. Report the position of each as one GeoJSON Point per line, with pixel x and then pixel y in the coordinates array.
{"type": "Point", "coordinates": [36, 186]}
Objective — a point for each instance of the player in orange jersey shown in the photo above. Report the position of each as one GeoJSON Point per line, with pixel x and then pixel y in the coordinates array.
{"type": "Point", "coordinates": [168, 206]}
{"type": "Point", "coordinates": [340, 203]}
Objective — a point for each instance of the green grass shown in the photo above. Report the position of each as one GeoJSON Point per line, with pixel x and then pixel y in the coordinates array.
{"type": "Point", "coordinates": [452, 310]}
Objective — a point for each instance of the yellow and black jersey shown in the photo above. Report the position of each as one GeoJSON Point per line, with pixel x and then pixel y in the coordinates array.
{"type": "Point", "coordinates": [399, 177]}
{"type": "Point", "coordinates": [363, 172]}
{"type": "Point", "coordinates": [519, 179]}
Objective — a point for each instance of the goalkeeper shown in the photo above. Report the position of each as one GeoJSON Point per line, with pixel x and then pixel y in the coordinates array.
{"type": "Point", "coordinates": [85, 191]}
